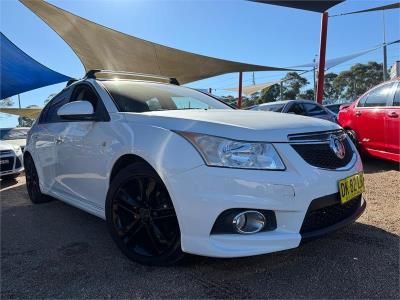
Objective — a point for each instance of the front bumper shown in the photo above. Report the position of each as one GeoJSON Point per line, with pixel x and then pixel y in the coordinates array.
{"type": "Point", "coordinates": [12, 164]}
{"type": "Point", "coordinates": [201, 194]}
{"type": "Point", "coordinates": [326, 215]}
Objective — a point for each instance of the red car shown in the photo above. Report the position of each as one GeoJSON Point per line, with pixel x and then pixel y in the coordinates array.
{"type": "Point", "coordinates": [373, 121]}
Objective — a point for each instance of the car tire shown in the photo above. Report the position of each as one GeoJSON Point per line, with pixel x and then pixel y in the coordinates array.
{"type": "Point", "coordinates": [9, 177]}
{"type": "Point", "coordinates": [32, 182]}
{"type": "Point", "coordinates": [141, 217]}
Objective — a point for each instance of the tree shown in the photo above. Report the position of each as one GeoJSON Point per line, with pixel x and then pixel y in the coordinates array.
{"type": "Point", "coordinates": [356, 81]}
{"type": "Point", "coordinates": [330, 90]}
{"type": "Point", "coordinates": [307, 95]}
{"type": "Point", "coordinates": [292, 83]}
{"type": "Point", "coordinates": [269, 94]}
{"type": "Point", "coordinates": [6, 102]}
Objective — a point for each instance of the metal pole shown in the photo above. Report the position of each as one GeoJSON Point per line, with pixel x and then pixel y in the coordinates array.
{"type": "Point", "coordinates": [322, 52]}
{"type": "Point", "coordinates": [240, 90]}
{"type": "Point", "coordinates": [314, 82]}
{"type": "Point", "coordinates": [384, 48]}
{"type": "Point", "coordinates": [209, 91]}
{"type": "Point", "coordinates": [19, 102]}
{"type": "Point", "coordinates": [281, 89]}
{"type": "Point", "coordinates": [254, 79]}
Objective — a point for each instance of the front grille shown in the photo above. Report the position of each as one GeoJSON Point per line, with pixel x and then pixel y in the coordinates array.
{"type": "Point", "coordinates": [6, 152]}
{"type": "Point", "coordinates": [6, 164]}
{"type": "Point", "coordinates": [319, 154]}
{"type": "Point", "coordinates": [318, 217]}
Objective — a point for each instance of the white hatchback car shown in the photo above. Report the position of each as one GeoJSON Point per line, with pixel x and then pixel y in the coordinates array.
{"type": "Point", "coordinates": [10, 161]}
{"type": "Point", "coordinates": [175, 171]}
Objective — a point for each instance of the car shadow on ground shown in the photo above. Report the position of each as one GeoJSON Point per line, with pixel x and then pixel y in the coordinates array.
{"type": "Point", "coordinates": [54, 250]}
{"type": "Point", "coordinates": [5, 183]}
{"type": "Point", "coordinates": [375, 165]}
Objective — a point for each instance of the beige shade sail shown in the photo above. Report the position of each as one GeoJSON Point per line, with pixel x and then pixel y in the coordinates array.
{"type": "Point", "coordinates": [251, 89]}
{"type": "Point", "coordinates": [31, 113]}
{"type": "Point", "coordinates": [99, 47]}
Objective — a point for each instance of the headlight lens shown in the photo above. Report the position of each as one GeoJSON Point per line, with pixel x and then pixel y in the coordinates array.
{"type": "Point", "coordinates": [221, 152]}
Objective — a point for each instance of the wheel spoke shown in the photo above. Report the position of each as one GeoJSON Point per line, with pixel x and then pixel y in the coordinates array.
{"type": "Point", "coordinates": [163, 213]}
{"type": "Point", "coordinates": [151, 184]}
{"type": "Point", "coordinates": [125, 208]}
{"type": "Point", "coordinates": [160, 236]}
{"type": "Point", "coordinates": [131, 233]}
{"type": "Point", "coordinates": [124, 196]}
{"type": "Point", "coordinates": [141, 191]}
{"type": "Point", "coordinates": [154, 240]}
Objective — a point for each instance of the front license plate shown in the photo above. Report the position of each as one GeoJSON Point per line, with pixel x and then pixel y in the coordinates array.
{"type": "Point", "coordinates": [351, 187]}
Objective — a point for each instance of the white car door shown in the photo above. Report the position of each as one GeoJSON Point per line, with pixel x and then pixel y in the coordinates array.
{"type": "Point", "coordinates": [44, 140]}
{"type": "Point", "coordinates": [81, 170]}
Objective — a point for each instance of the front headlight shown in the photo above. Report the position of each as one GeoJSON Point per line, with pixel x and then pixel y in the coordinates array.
{"type": "Point", "coordinates": [221, 152]}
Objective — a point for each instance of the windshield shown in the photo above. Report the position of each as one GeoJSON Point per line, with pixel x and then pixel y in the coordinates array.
{"type": "Point", "coordinates": [133, 96]}
{"type": "Point", "coordinates": [13, 133]}
{"type": "Point", "coordinates": [334, 108]}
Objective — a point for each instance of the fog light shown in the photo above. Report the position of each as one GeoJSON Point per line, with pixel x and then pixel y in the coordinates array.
{"type": "Point", "coordinates": [250, 221]}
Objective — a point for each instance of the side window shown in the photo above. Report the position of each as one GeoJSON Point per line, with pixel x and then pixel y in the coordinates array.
{"type": "Point", "coordinates": [314, 110]}
{"type": "Point", "coordinates": [361, 102]}
{"type": "Point", "coordinates": [44, 113]}
{"type": "Point", "coordinates": [85, 92]}
{"type": "Point", "coordinates": [297, 108]}
{"type": "Point", "coordinates": [49, 113]}
{"type": "Point", "coordinates": [396, 100]}
{"type": "Point", "coordinates": [379, 96]}
{"type": "Point", "coordinates": [52, 116]}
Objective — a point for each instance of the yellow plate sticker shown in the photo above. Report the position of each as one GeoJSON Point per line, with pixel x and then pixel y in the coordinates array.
{"type": "Point", "coordinates": [351, 187]}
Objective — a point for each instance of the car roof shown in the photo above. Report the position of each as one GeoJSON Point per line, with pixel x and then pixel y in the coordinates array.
{"type": "Point", "coordinates": [287, 101]}
{"type": "Point", "coordinates": [273, 103]}
{"type": "Point", "coordinates": [14, 128]}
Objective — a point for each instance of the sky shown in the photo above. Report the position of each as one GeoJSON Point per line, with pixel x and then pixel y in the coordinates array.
{"type": "Point", "coordinates": [230, 29]}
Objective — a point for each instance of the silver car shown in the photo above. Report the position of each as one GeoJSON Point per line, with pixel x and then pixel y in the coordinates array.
{"type": "Point", "coordinates": [298, 107]}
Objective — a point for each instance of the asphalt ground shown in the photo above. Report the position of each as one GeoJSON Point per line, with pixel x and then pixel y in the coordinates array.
{"type": "Point", "coordinates": [54, 250]}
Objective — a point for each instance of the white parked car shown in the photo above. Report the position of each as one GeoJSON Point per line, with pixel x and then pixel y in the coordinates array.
{"type": "Point", "coordinates": [10, 161]}
{"type": "Point", "coordinates": [175, 171]}
{"type": "Point", "coordinates": [14, 136]}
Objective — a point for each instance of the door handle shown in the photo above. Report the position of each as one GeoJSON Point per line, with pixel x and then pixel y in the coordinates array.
{"type": "Point", "coordinates": [59, 140]}
{"type": "Point", "coordinates": [393, 114]}
{"type": "Point", "coordinates": [358, 113]}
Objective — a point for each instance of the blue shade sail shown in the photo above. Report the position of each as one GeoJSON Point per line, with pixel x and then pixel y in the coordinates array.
{"type": "Point", "coordinates": [20, 73]}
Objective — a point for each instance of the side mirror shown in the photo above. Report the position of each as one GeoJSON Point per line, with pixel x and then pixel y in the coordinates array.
{"type": "Point", "coordinates": [344, 106]}
{"type": "Point", "coordinates": [77, 110]}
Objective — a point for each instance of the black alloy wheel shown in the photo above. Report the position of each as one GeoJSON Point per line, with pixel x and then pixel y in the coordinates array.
{"type": "Point", "coordinates": [32, 182]}
{"type": "Point", "coordinates": [141, 217]}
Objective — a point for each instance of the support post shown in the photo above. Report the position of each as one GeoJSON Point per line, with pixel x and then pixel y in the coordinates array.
{"type": "Point", "coordinates": [314, 81]}
{"type": "Point", "coordinates": [19, 102]}
{"type": "Point", "coordinates": [322, 52]}
{"type": "Point", "coordinates": [384, 48]}
{"type": "Point", "coordinates": [281, 90]}
{"type": "Point", "coordinates": [239, 104]}
{"type": "Point", "coordinates": [209, 91]}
